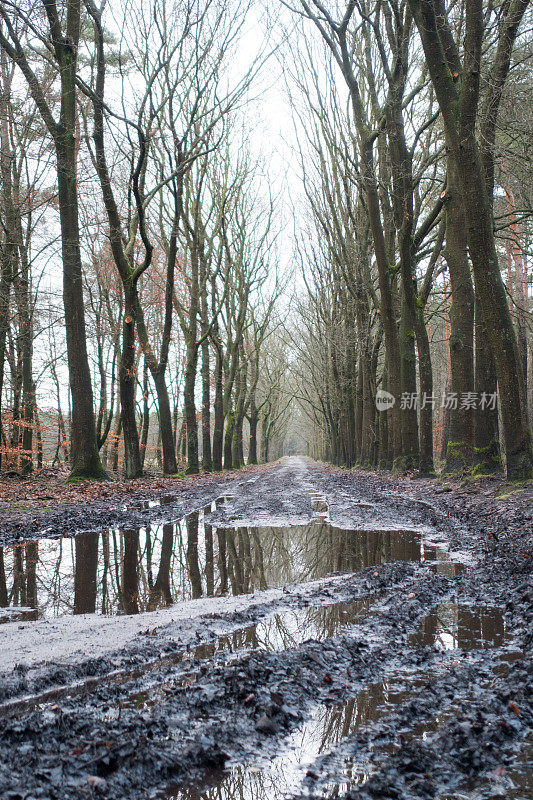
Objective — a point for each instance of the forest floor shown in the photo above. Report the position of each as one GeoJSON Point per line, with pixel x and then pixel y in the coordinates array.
{"type": "Point", "coordinates": [384, 652]}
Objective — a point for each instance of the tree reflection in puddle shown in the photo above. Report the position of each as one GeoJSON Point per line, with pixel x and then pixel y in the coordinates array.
{"type": "Point", "coordinates": [289, 629]}
{"type": "Point", "coordinates": [278, 632]}
{"type": "Point", "coordinates": [129, 571]}
{"type": "Point", "coordinates": [285, 774]}
{"type": "Point", "coordinates": [452, 626]}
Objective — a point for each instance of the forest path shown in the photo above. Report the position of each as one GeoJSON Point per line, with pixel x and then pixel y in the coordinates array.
{"type": "Point", "coordinates": [349, 634]}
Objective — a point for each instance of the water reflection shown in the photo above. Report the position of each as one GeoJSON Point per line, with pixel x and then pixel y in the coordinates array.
{"type": "Point", "coordinates": [451, 626]}
{"type": "Point", "coordinates": [18, 582]}
{"type": "Point", "coordinates": [283, 776]}
{"type": "Point", "coordinates": [463, 627]}
{"type": "Point", "coordinates": [129, 571]}
{"type": "Point", "coordinates": [278, 632]}
{"type": "Point", "coordinates": [520, 775]}
{"type": "Point", "coordinates": [292, 628]}
{"type": "Point", "coordinates": [288, 629]}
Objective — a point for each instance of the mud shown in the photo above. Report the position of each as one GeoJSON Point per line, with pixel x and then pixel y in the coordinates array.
{"type": "Point", "coordinates": [392, 660]}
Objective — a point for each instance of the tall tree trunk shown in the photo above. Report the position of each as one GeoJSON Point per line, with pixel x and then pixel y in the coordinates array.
{"type": "Point", "coordinates": [193, 466]}
{"type": "Point", "coordinates": [170, 465]}
{"type": "Point", "coordinates": [359, 405]}
{"type": "Point", "coordinates": [486, 426]}
{"type": "Point", "coordinates": [410, 450]}
{"type": "Point", "coordinates": [218, 408]}
{"type": "Point", "coordinates": [191, 365]}
{"type": "Point", "coordinates": [207, 461]}
{"type": "Point", "coordinates": [351, 382]}
{"type": "Point", "coordinates": [16, 396]}
{"type": "Point", "coordinates": [22, 294]}
{"type": "Point", "coordinates": [228, 439]}
{"type": "Point", "coordinates": [496, 316]}
{"type": "Point", "coordinates": [9, 243]}
{"type": "Point", "coordinates": [388, 315]}
{"type": "Point", "coordinates": [116, 442]}
{"type": "Point", "coordinates": [265, 437]}
{"type": "Point", "coordinates": [145, 416]}
{"type": "Point", "coordinates": [237, 434]}
{"type": "Point", "coordinates": [122, 255]}
{"type": "Point", "coordinates": [412, 325]}
{"type": "Point", "coordinates": [158, 372]}
{"type": "Point", "coordinates": [426, 462]}
{"type": "Point", "coordinates": [520, 294]}
{"type": "Point", "coordinates": [460, 449]}
{"type": "Point", "coordinates": [28, 400]}
{"type": "Point", "coordinates": [369, 408]}
{"type": "Point", "coordinates": [458, 103]}
{"type": "Point", "coordinates": [5, 284]}
{"type": "Point", "coordinates": [38, 429]}
{"type": "Point", "coordinates": [85, 459]}
{"type": "Point", "coordinates": [128, 385]}
{"type": "Point", "coordinates": [384, 457]}
{"type": "Point", "coordinates": [254, 420]}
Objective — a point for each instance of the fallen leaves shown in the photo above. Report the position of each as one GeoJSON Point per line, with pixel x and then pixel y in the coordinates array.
{"type": "Point", "coordinates": [266, 725]}
{"type": "Point", "coordinates": [45, 491]}
{"type": "Point", "coordinates": [498, 772]}
{"type": "Point", "coordinates": [96, 781]}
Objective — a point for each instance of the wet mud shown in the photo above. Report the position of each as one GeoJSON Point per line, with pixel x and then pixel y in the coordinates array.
{"type": "Point", "coordinates": [344, 640]}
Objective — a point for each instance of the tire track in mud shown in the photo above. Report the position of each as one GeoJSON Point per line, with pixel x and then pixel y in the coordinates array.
{"type": "Point", "coordinates": [379, 700]}
{"type": "Point", "coordinates": [162, 662]}
{"type": "Point", "coordinates": [240, 707]}
{"type": "Point", "coordinates": [255, 669]}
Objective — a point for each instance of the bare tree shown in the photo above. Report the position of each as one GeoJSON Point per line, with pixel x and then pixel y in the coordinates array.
{"type": "Point", "coordinates": [59, 36]}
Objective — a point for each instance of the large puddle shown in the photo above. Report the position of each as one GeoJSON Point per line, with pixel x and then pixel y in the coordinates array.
{"type": "Point", "coordinates": [289, 629]}
{"type": "Point", "coordinates": [129, 571]}
{"type": "Point", "coordinates": [290, 773]}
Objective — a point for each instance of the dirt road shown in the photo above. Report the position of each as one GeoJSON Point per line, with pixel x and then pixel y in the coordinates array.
{"type": "Point", "coordinates": [291, 631]}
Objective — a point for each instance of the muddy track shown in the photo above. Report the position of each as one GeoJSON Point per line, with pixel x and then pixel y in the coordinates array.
{"type": "Point", "coordinates": [405, 677]}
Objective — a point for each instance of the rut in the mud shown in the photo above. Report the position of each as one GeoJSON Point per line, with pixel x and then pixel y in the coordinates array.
{"type": "Point", "coordinates": [357, 646]}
